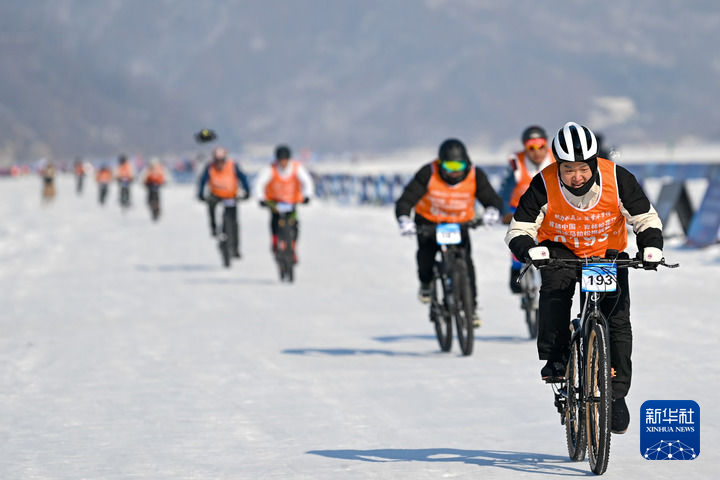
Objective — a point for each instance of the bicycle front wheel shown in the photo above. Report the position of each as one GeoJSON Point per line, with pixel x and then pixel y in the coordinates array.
{"type": "Point", "coordinates": [574, 408]}
{"type": "Point", "coordinates": [599, 397]}
{"type": "Point", "coordinates": [463, 308]}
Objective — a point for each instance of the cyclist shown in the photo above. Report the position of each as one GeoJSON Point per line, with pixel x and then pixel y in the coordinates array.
{"type": "Point", "coordinates": [285, 180]}
{"type": "Point", "coordinates": [47, 173]}
{"type": "Point", "coordinates": [79, 170]}
{"type": "Point", "coordinates": [103, 179]}
{"type": "Point", "coordinates": [577, 208]}
{"type": "Point", "coordinates": [124, 175]}
{"type": "Point", "coordinates": [224, 178]}
{"type": "Point", "coordinates": [445, 190]}
{"type": "Point", "coordinates": [524, 165]}
{"type": "Point", "coordinates": [153, 178]}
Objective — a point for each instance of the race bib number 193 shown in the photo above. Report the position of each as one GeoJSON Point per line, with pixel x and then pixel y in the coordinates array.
{"type": "Point", "coordinates": [599, 277]}
{"type": "Point", "coordinates": [448, 234]}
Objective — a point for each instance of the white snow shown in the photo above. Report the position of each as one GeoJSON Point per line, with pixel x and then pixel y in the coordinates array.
{"type": "Point", "coordinates": [127, 351]}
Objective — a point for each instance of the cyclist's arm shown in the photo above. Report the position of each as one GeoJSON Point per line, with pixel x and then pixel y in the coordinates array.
{"type": "Point", "coordinates": [522, 232]}
{"type": "Point", "coordinates": [413, 192]}
{"type": "Point", "coordinates": [638, 210]}
{"type": "Point", "coordinates": [261, 182]}
{"type": "Point", "coordinates": [484, 192]}
{"type": "Point", "coordinates": [306, 181]}
{"type": "Point", "coordinates": [243, 179]}
{"type": "Point", "coordinates": [506, 188]}
{"type": "Point", "coordinates": [203, 180]}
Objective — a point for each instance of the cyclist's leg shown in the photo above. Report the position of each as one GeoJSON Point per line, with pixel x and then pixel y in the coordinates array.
{"type": "Point", "coordinates": [471, 266]}
{"type": "Point", "coordinates": [274, 218]}
{"type": "Point", "coordinates": [425, 256]}
{"type": "Point", "coordinates": [556, 295]}
{"type": "Point", "coordinates": [212, 201]}
{"type": "Point", "coordinates": [616, 308]}
{"type": "Point", "coordinates": [232, 212]}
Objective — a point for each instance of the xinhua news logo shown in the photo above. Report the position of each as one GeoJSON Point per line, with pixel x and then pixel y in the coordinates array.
{"type": "Point", "coordinates": [670, 430]}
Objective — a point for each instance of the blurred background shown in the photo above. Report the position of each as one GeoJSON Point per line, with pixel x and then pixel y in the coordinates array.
{"type": "Point", "coordinates": [352, 77]}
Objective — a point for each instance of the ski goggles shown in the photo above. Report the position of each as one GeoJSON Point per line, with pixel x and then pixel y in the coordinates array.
{"type": "Point", "coordinates": [536, 144]}
{"type": "Point", "coordinates": [453, 165]}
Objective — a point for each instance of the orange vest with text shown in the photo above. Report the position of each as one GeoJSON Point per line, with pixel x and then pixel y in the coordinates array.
{"type": "Point", "coordinates": [223, 182]}
{"type": "Point", "coordinates": [284, 189]}
{"type": "Point", "coordinates": [443, 203]}
{"type": "Point", "coordinates": [523, 182]}
{"type": "Point", "coordinates": [104, 176]}
{"type": "Point", "coordinates": [124, 171]}
{"type": "Point", "coordinates": [590, 231]}
{"type": "Point", "coordinates": [155, 176]}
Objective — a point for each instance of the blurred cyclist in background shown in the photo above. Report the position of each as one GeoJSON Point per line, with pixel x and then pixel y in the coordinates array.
{"type": "Point", "coordinates": [224, 179]}
{"type": "Point", "coordinates": [286, 181]}
{"type": "Point", "coordinates": [124, 175]}
{"type": "Point", "coordinates": [524, 165]}
{"type": "Point", "coordinates": [445, 190]}
{"type": "Point", "coordinates": [153, 179]}
{"type": "Point", "coordinates": [79, 170]}
{"type": "Point", "coordinates": [48, 182]}
{"type": "Point", "coordinates": [103, 178]}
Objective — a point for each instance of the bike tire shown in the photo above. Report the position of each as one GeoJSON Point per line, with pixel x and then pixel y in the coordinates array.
{"type": "Point", "coordinates": [225, 242]}
{"type": "Point", "coordinates": [440, 315]}
{"type": "Point", "coordinates": [599, 398]}
{"type": "Point", "coordinates": [574, 421]}
{"type": "Point", "coordinates": [463, 307]}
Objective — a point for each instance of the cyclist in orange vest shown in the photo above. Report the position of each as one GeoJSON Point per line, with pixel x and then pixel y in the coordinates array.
{"type": "Point", "coordinates": [154, 178]}
{"type": "Point", "coordinates": [224, 179]}
{"type": "Point", "coordinates": [103, 178]}
{"type": "Point", "coordinates": [578, 208]}
{"type": "Point", "coordinates": [124, 175]}
{"type": "Point", "coordinates": [524, 165]}
{"type": "Point", "coordinates": [287, 181]}
{"type": "Point", "coordinates": [79, 169]}
{"type": "Point", "coordinates": [445, 190]}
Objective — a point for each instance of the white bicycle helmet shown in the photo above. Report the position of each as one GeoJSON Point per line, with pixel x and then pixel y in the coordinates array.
{"type": "Point", "coordinates": [574, 143]}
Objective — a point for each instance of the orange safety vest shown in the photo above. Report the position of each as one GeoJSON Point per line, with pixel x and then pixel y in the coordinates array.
{"type": "Point", "coordinates": [590, 231]}
{"type": "Point", "coordinates": [104, 176]}
{"type": "Point", "coordinates": [223, 183]}
{"type": "Point", "coordinates": [448, 203]}
{"type": "Point", "coordinates": [522, 184]}
{"type": "Point", "coordinates": [284, 189]}
{"type": "Point", "coordinates": [155, 176]}
{"type": "Point", "coordinates": [124, 171]}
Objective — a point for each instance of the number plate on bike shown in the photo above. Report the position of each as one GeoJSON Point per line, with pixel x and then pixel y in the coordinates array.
{"type": "Point", "coordinates": [599, 277]}
{"type": "Point", "coordinates": [283, 207]}
{"type": "Point", "coordinates": [229, 202]}
{"type": "Point", "coordinates": [448, 234]}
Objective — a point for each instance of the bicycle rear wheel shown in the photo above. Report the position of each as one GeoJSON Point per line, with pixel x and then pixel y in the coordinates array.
{"type": "Point", "coordinates": [440, 315]}
{"type": "Point", "coordinates": [574, 408]}
{"type": "Point", "coordinates": [599, 398]}
{"type": "Point", "coordinates": [463, 307]}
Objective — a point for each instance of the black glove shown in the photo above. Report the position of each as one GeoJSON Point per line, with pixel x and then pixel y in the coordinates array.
{"type": "Point", "coordinates": [201, 197]}
{"type": "Point", "coordinates": [245, 196]}
{"type": "Point", "coordinates": [306, 200]}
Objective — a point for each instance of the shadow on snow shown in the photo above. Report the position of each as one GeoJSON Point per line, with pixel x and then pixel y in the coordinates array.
{"type": "Point", "coordinates": [518, 461]}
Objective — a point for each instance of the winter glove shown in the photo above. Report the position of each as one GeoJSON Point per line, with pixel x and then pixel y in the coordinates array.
{"type": "Point", "coordinates": [651, 258]}
{"type": "Point", "coordinates": [306, 200]}
{"type": "Point", "coordinates": [201, 197]}
{"type": "Point", "coordinates": [245, 195]}
{"type": "Point", "coordinates": [407, 226]}
{"type": "Point", "coordinates": [539, 256]}
{"type": "Point", "coordinates": [490, 216]}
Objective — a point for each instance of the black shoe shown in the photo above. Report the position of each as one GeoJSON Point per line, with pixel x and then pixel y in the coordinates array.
{"type": "Point", "coordinates": [620, 416]}
{"type": "Point", "coordinates": [553, 371]}
{"type": "Point", "coordinates": [236, 254]}
{"type": "Point", "coordinates": [424, 292]}
{"type": "Point", "coordinates": [514, 286]}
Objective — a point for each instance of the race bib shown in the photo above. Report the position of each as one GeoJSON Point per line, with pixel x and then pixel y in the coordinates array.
{"type": "Point", "coordinates": [599, 277]}
{"type": "Point", "coordinates": [448, 234]}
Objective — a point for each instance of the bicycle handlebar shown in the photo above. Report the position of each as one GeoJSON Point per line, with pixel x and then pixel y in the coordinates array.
{"type": "Point", "coordinates": [620, 262]}
{"type": "Point", "coordinates": [429, 228]}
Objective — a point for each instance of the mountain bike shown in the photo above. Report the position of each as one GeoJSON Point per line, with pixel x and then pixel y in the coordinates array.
{"type": "Point", "coordinates": [451, 298]}
{"type": "Point", "coordinates": [227, 242]}
{"type": "Point", "coordinates": [124, 194]}
{"type": "Point", "coordinates": [154, 200]}
{"type": "Point", "coordinates": [529, 282]}
{"type": "Point", "coordinates": [284, 252]}
{"type": "Point", "coordinates": [584, 397]}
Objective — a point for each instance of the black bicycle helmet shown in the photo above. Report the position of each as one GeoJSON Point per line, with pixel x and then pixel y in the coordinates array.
{"type": "Point", "coordinates": [282, 152]}
{"type": "Point", "coordinates": [450, 150]}
{"type": "Point", "coordinates": [533, 131]}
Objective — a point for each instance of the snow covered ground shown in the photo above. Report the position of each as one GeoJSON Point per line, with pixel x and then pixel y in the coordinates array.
{"type": "Point", "coordinates": [127, 351]}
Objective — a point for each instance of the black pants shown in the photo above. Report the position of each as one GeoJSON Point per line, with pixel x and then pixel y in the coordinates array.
{"type": "Point", "coordinates": [232, 212]}
{"type": "Point", "coordinates": [556, 295]}
{"type": "Point", "coordinates": [275, 217]}
{"type": "Point", "coordinates": [428, 248]}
